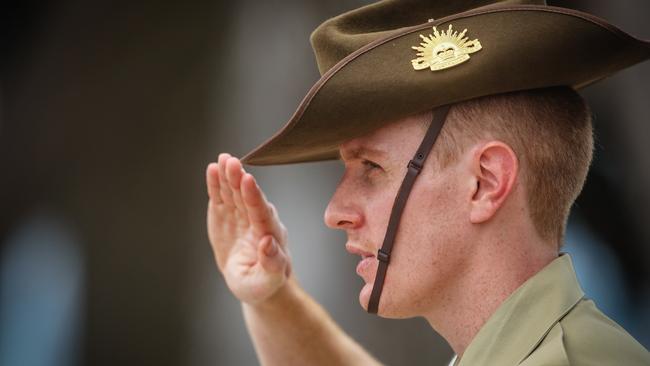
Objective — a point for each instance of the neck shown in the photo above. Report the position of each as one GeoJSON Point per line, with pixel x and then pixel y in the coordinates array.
{"type": "Point", "coordinates": [496, 270]}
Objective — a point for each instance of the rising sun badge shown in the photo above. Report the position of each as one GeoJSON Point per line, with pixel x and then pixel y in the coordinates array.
{"type": "Point", "coordinates": [444, 49]}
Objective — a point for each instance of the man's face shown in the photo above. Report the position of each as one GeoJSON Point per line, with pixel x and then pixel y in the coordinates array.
{"type": "Point", "coordinates": [429, 253]}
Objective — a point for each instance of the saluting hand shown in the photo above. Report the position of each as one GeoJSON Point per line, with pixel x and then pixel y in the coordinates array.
{"type": "Point", "coordinates": [247, 237]}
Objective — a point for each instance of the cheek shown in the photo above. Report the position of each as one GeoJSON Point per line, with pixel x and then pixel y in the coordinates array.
{"type": "Point", "coordinates": [427, 250]}
{"type": "Point", "coordinates": [426, 219]}
{"type": "Point", "coordinates": [377, 212]}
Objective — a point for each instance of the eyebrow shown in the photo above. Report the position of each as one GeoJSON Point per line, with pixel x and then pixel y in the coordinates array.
{"type": "Point", "coordinates": [357, 152]}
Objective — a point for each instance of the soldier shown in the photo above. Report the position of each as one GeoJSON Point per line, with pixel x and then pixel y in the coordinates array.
{"type": "Point", "coordinates": [474, 115]}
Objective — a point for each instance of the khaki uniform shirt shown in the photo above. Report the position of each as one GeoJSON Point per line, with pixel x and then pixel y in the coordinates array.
{"type": "Point", "coordinates": [548, 321]}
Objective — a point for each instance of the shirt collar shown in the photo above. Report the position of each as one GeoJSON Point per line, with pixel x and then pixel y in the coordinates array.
{"type": "Point", "coordinates": [453, 361]}
{"type": "Point", "coordinates": [522, 321]}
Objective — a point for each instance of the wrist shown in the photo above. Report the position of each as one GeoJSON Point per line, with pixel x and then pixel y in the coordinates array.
{"type": "Point", "coordinates": [283, 298]}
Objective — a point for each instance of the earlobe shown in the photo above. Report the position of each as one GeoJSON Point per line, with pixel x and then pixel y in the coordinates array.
{"type": "Point", "coordinates": [495, 167]}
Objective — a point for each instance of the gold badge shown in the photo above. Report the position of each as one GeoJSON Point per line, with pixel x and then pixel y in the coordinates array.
{"type": "Point", "coordinates": [443, 50]}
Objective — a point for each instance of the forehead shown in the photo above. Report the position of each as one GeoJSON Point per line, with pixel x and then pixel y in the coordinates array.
{"type": "Point", "coordinates": [388, 142]}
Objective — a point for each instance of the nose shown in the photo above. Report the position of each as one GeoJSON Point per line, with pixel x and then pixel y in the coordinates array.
{"type": "Point", "coordinates": [341, 212]}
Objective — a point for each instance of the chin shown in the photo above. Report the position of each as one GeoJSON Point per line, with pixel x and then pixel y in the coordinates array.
{"type": "Point", "coordinates": [387, 308]}
{"type": "Point", "coordinates": [364, 296]}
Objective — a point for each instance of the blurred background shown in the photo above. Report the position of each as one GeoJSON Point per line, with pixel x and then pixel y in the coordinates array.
{"type": "Point", "coordinates": [110, 112]}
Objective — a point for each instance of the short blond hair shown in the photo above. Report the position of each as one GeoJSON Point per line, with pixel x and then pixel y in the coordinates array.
{"type": "Point", "coordinates": [550, 131]}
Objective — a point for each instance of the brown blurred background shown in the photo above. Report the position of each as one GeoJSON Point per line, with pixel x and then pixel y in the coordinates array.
{"type": "Point", "coordinates": [109, 113]}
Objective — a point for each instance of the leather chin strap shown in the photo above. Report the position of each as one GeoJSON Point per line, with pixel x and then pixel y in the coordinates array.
{"type": "Point", "coordinates": [414, 167]}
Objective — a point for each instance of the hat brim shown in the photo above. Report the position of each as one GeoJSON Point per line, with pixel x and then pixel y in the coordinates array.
{"type": "Point", "coordinates": [523, 47]}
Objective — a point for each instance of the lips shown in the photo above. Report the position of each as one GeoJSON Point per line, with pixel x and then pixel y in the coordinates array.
{"type": "Point", "coordinates": [364, 268]}
{"type": "Point", "coordinates": [358, 251]}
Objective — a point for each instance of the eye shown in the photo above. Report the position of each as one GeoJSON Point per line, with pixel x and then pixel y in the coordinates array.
{"type": "Point", "coordinates": [371, 165]}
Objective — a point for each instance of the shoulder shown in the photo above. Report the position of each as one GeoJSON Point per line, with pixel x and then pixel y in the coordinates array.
{"type": "Point", "coordinates": [591, 338]}
{"type": "Point", "coordinates": [586, 336]}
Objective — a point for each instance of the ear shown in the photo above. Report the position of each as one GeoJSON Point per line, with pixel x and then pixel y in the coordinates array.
{"type": "Point", "coordinates": [495, 168]}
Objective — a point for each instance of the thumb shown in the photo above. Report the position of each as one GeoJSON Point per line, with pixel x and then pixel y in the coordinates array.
{"type": "Point", "coordinates": [271, 257]}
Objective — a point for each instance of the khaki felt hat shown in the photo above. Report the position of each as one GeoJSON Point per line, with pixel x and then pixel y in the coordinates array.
{"type": "Point", "coordinates": [395, 58]}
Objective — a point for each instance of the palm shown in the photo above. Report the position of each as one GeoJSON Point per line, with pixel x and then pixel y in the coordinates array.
{"type": "Point", "coordinates": [239, 219]}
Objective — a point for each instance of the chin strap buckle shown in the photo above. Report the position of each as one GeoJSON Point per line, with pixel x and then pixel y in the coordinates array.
{"type": "Point", "coordinates": [383, 256]}
{"type": "Point", "coordinates": [415, 165]}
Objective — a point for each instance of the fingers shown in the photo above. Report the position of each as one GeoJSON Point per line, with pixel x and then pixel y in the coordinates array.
{"type": "Point", "coordinates": [234, 173]}
{"type": "Point", "coordinates": [238, 189]}
{"type": "Point", "coordinates": [260, 212]}
{"type": "Point", "coordinates": [212, 183]}
{"type": "Point", "coordinates": [224, 187]}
